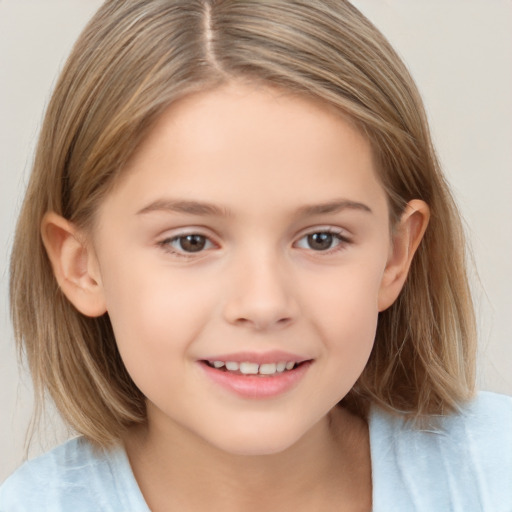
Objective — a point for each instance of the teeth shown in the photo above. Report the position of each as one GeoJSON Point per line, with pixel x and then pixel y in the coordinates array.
{"type": "Point", "coordinates": [268, 369]}
{"type": "Point", "coordinates": [247, 368]}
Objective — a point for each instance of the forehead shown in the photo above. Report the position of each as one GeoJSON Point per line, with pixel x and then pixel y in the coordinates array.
{"type": "Point", "coordinates": [252, 115]}
{"type": "Point", "coordinates": [217, 145]}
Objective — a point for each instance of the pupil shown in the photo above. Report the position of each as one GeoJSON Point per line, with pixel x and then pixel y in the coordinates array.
{"type": "Point", "coordinates": [320, 241]}
{"type": "Point", "coordinates": [192, 243]}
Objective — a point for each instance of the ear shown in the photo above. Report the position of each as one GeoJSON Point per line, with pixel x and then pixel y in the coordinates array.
{"type": "Point", "coordinates": [74, 264]}
{"type": "Point", "coordinates": [406, 239]}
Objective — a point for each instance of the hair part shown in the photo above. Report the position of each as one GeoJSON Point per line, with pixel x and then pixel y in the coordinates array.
{"type": "Point", "coordinates": [133, 60]}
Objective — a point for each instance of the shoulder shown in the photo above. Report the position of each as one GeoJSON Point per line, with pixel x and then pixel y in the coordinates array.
{"type": "Point", "coordinates": [464, 462]}
{"type": "Point", "coordinates": [74, 476]}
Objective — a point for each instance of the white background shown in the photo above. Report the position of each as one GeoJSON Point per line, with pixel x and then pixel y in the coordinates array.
{"type": "Point", "coordinates": [460, 53]}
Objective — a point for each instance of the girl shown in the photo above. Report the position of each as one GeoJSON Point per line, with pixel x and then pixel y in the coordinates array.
{"type": "Point", "coordinates": [240, 275]}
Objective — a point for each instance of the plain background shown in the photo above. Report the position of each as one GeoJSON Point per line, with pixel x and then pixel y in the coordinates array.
{"type": "Point", "coordinates": [460, 53]}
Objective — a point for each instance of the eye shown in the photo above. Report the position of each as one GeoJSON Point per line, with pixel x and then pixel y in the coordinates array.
{"type": "Point", "coordinates": [321, 241]}
{"type": "Point", "coordinates": [187, 244]}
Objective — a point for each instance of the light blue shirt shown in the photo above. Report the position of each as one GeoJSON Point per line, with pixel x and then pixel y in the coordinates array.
{"type": "Point", "coordinates": [465, 465]}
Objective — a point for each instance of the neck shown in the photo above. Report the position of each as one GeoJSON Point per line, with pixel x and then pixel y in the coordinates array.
{"type": "Point", "coordinates": [329, 466]}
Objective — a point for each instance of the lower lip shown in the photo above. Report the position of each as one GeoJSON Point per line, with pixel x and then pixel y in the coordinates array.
{"type": "Point", "coordinates": [257, 386]}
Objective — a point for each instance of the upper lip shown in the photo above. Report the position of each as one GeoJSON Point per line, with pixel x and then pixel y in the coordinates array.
{"type": "Point", "coordinates": [274, 356]}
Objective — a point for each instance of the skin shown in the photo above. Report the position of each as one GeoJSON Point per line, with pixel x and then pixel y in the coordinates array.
{"type": "Point", "coordinates": [263, 158]}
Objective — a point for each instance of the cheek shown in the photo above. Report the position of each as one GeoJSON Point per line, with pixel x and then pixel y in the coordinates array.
{"type": "Point", "coordinates": [347, 303]}
{"type": "Point", "coordinates": [155, 315]}
{"type": "Point", "coordinates": [346, 315]}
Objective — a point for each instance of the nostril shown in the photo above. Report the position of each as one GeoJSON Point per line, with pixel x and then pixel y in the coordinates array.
{"type": "Point", "coordinates": [261, 324]}
{"type": "Point", "coordinates": [260, 313]}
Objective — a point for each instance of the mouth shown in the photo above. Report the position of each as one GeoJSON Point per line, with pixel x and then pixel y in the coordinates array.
{"type": "Point", "coordinates": [252, 368]}
{"type": "Point", "coordinates": [253, 376]}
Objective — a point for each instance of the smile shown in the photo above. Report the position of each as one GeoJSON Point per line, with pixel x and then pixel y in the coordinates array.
{"type": "Point", "coordinates": [250, 368]}
{"type": "Point", "coordinates": [256, 376]}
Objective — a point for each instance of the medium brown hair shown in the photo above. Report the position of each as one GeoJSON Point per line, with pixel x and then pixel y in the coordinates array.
{"type": "Point", "coordinates": [131, 62]}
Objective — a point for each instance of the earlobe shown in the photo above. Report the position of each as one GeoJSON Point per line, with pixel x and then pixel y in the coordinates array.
{"type": "Point", "coordinates": [74, 264]}
{"type": "Point", "coordinates": [406, 239]}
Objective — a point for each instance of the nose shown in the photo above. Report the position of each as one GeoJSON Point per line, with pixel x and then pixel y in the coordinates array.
{"type": "Point", "coordinates": [260, 295]}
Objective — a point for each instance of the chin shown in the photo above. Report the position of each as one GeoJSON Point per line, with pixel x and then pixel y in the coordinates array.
{"type": "Point", "coordinates": [257, 442]}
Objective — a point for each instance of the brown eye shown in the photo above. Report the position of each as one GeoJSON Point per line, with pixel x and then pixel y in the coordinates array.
{"type": "Point", "coordinates": [320, 241]}
{"type": "Point", "coordinates": [323, 241]}
{"type": "Point", "coordinates": [191, 243]}
{"type": "Point", "coordinates": [187, 245]}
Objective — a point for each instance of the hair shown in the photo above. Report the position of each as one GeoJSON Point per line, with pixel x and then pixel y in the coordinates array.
{"type": "Point", "coordinates": [132, 61]}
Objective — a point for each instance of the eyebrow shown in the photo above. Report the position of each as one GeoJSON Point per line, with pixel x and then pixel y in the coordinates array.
{"type": "Point", "coordinates": [333, 207]}
{"type": "Point", "coordinates": [204, 209]}
{"type": "Point", "coordinates": [184, 206]}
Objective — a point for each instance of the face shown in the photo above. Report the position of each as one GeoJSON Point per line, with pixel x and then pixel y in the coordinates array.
{"type": "Point", "coordinates": [242, 259]}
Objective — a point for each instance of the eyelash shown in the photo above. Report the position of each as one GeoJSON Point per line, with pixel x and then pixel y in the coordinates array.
{"type": "Point", "coordinates": [166, 244]}
{"type": "Point", "coordinates": [337, 235]}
